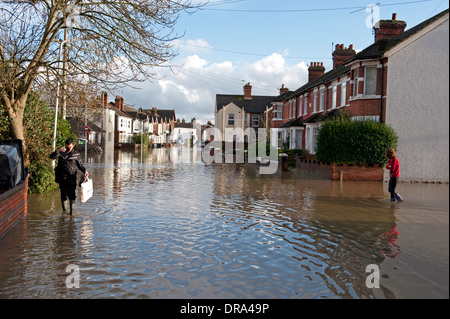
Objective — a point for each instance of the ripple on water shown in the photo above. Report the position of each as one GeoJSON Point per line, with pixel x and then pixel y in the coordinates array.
{"type": "Point", "coordinates": [193, 231]}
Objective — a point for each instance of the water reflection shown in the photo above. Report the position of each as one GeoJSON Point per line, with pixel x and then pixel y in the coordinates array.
{"type": "Point", "coordinates": [163, 225]}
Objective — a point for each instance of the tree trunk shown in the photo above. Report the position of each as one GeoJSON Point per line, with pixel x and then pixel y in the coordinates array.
{"type": "Point", "coordinates": [17, 131]}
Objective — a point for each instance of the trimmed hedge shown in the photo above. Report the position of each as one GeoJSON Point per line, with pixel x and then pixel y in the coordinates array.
{"type": "Point", "coordinates": [360, 142]}
{"type": "Point", "coordinates": [291, 155]}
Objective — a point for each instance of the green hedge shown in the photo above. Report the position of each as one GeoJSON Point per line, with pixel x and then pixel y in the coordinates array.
{"type": "Point", "coordinates": [360, 142]}
{"type": "Point", "coordinates": [291, 155]}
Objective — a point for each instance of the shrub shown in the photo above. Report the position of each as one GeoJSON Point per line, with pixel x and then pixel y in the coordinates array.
{"type": "Point", "coordinates": [291, 155]}
{"type": "Point", "coordinates": [360, 142]}
{"type": "Point", "coordinates": [270, 154]}
{"type": "Point", "coordinates": [38, 123]}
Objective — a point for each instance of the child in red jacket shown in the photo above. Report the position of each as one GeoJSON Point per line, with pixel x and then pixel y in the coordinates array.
{"type": "Point", "coordinates": [394, 173]}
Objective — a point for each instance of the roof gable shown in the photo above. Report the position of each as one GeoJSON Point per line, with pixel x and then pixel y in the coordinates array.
{"type": "Point", "coordinates": [379, 48]}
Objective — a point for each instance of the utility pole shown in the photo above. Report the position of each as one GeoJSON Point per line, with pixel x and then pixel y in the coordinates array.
{"type": "Point", "coordinates": [64, 71]}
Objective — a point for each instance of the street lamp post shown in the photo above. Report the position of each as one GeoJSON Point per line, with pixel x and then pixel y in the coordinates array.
{"type": "Point", "coordinates": [61, 43]}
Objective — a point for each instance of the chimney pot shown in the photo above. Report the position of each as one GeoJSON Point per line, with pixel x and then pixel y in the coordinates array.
{"type": "Point", "coordinates": [315, 70]}
{"type": "Point", "coordinates": [340, 55]}
{"type": "Point", "coordinates": [394, 16]}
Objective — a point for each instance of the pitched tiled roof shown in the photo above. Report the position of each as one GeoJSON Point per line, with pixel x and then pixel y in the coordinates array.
{"type": "Point", "coordinates": [293, 122]}
{"type": "Point", "coordinates": [165, 115]}
{"type": "Point", "coordinates": [78, 125]}
{"type": "Point", "coordinates": [330, 75]}
{"type": "Point", "coordinates": [118, 111]}
{"type": "Point", "coordinates": [257, 104]}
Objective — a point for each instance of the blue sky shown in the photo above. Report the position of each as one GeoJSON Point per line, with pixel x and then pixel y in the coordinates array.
{"type": "Point", "coordinates": [267, 43]}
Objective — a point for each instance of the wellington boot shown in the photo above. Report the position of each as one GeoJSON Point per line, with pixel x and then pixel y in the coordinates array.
{"type": "Point", "coordinates": [65, 205]}
{"type": "Point", "coordinates": [72, 206]}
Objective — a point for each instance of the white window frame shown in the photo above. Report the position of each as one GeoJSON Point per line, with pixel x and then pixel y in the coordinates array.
{"type": "Point", "coordinates": [255, 119]}
{"type": "Point", "coordinates": [315, 101]}
{"type": "Point", "coordinates": [372, 80]}
{"type": "Point", "coordinates": [230, 118]}
{"type": "Point", "coordinates": [280, 112]}
{"type": "Point", "coordinates": [334, 97]}
{"type": "Point", "coordinates": [343, 93]}
{"type": "Point", "coordinates": [322, 99]}
{"type": "Point", "coordinates": [355, 82]}
{"type": "Point", "coordinates": [306, 104]}
{"type": "Point", "coordinates": [300, 103]}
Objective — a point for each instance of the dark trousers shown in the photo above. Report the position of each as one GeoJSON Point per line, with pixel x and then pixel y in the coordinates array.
{"type": "Point", "coordinates": [392, 186]}
{"type": "Point", "coordinates": [68, 186]}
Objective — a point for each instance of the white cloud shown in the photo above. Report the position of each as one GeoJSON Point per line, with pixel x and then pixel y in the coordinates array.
{"type": "Point", "coordinates": [273, 71]}
{"type": "Point", "coordinates": [195, 46]}
{"type": "Point", "coordinates": [191, 89]}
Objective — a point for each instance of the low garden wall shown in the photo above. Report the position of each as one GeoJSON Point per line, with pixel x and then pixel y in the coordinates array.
{"type": "Point", "coordinates": [313, 169]}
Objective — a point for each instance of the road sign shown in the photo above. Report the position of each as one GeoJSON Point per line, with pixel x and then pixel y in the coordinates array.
{"type": "Point", "coordinates": [86, 128]}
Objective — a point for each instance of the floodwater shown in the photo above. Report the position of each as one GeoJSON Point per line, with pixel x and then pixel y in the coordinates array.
{"type": "Point", "coordinates": [163, 225]}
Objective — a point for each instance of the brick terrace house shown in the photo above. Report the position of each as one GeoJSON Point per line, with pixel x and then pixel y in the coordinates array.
{"type": "Point", "coordinates": [364, 85]}
{"type": "Point", "coordinates": [161, 125]}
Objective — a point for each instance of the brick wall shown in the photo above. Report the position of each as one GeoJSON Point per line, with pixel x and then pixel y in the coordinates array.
{"type": "Point", "coordinates": [13, 206]}
{"type": "Point", "coordinates": [311, 168]}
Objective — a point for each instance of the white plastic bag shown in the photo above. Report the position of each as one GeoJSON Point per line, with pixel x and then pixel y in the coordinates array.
{"type": "Point", "coordinates": [87, 190]}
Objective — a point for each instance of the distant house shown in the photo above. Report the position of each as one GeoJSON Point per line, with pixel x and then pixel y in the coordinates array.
{"type": "Point", "coordinates": [123, 122]}
{"type": "Point", "coordinates": [161, 125]}
{"type": "Point", "coordinates": [401, 80]}
{"type": "Point", "coordinates": [185, 132]}
{"type": "Point", "coordinates": [206, 130]}
{"type": "Point", "coordinates": [93, 133]}
{"type": "Point", "coordinates": [241, 112]}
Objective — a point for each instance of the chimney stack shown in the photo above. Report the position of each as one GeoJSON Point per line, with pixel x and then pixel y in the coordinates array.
{"type": "Point", "coordinates": [342, 54]}
{"type": "Point", "coordinates": [104, 99]}
{"type": "Point", "coordinates": [248, 91]}
{"type": "Point", "coordinates": [388, 29]}
{"type": "Point", "coordinates": [119, 102]}
{"type": "Point", "coordinates": [315, 70]}
{"type": "Point", "coordinates": [283, 89]}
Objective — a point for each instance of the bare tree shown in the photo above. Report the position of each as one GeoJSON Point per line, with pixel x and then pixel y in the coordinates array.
{"type": "Point", "coordinates": [111, 43]}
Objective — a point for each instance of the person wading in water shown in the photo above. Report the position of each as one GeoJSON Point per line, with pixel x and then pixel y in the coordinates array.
{"type": "Point", "coordinates": [66, 173]}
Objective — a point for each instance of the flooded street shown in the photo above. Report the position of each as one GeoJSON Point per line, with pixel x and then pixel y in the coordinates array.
{"type": "Point", "coordinates": [162, 225]}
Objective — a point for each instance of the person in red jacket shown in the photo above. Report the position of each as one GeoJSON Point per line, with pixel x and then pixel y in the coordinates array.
{"type": "Point", "coordinates": [394, 173]}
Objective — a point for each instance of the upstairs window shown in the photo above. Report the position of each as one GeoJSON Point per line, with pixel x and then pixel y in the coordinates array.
{"type": "Point", "coordinates": [255, 120]}
{"type": "Point", "coordinates": [315, 102]}
{"type": "Point", "coordinates": [355, 82]}
{"type": "Point", "coordinates": [230, 119]}
{"type": "Point", "coordinates": [370, 81]}
{"type": "Point", "coordinates": [334, 97]}
{"type": "Point", "coordinates": [300, 106]}
{"type": "Point", "coordinates": [279, 112]}
{"type": "Point", "coordinates": [343, 93]}
{"type": "Point", "coordinates": [322, 99]}
{"type": "Point", "coordinates": [306, 104]}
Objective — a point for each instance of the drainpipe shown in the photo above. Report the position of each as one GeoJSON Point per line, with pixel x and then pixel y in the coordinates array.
{"type": "Point", "coordinates": [382, 89]}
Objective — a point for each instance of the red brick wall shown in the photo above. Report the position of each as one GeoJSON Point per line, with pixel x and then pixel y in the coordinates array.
{"type": "Point", "coordinates": [332, 172]}
{"type": "Point", "coordinates": [13, 206]}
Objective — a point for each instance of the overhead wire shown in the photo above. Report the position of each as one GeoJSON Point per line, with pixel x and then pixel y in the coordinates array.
{"type": "Point", "coordinates": [206, 8]}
